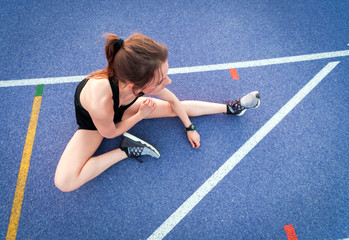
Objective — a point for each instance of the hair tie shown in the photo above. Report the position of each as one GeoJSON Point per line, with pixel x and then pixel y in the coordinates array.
{"type": "Point", "coordinates": [118, 45]}
{"type": "Point", "coordinates": [120, 42]}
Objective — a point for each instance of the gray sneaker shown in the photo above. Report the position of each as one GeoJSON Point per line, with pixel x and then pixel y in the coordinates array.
{"type": "Point", "coordinates": [135, 147]}
{"type": "Point", "coordinates": [239, 107]}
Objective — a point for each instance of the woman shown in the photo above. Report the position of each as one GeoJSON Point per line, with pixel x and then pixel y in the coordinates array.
{"type": "Point", "coordinates": [109, 102]}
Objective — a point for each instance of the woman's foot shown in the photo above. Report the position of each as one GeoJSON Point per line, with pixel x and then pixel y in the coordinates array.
{"type": "Point", "coordinates": [135, 147]}
{"type": "Point", "coordinates": [239, 107]}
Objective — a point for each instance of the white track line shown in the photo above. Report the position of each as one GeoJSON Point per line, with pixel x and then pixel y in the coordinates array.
{"type": "Point", "coordinates": [259, 63]}
{"type": "Point", "coordinates": [204, 68]}
{"type": "Point", "coordinates": [37, 81]}
{"type": "Point", "coordinates": [202, 191]}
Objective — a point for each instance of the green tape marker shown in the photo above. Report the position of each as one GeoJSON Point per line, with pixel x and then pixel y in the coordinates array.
{"type": "Point", "coordinates": [39, 90]}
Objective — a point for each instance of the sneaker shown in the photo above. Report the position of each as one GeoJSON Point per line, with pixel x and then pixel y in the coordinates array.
{"type": "Point", "coordinates": [135, 147]}
{"type": "Point", "coordinates": [239, 107]}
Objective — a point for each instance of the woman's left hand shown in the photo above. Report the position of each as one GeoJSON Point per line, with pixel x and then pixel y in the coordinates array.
{"type": "Point", "coordinates": [194, 138]}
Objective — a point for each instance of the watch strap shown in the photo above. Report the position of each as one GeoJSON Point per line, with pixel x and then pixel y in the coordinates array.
{"type": "Point", "coordinates": [192, 127]}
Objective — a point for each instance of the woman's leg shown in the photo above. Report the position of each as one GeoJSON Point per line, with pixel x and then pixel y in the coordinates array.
{"type": "Point", "coordinates": [163, 108]}
{"type": "Point", "coordinates": [76, 166]}
{"type": "Point", "coordinates": [198, 108]}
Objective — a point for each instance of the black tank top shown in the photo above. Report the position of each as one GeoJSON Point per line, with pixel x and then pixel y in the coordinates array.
{"type": "Point", "coordinates": [84, 119]}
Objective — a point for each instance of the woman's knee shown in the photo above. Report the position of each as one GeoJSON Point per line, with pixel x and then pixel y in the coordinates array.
{"type": "Point", "coordinates": [64, 183]}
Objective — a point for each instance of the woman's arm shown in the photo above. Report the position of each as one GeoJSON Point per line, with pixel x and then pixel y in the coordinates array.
{"type": "Point", "coordinates": [103, 119]}
{"type": "Point", "coordinates": [106, 126]}
{"type": "Point", "coordinates": [98, 101]}
{"type": "Point", "coordinates": [167, 95]}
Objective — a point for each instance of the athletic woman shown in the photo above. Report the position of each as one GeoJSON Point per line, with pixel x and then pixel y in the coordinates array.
{"type": "Point", "coordinates": [109, 102]}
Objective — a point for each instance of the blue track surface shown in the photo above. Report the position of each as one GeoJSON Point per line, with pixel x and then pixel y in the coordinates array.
{"type": "Point", "coordinates": [298, 174]}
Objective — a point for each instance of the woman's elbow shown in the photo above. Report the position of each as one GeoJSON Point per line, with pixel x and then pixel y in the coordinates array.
{"type": "Point", "coordinates": [108, 133]}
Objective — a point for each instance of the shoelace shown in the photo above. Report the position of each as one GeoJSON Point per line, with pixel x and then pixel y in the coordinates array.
{"type": "Point", "coordinates": [236, 106]}
{"type": "Point", "coordinates": [135, 152]}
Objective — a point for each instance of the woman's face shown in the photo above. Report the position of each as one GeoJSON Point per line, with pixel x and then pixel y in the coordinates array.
{"type": "Point", "coordinates": [159, 82]}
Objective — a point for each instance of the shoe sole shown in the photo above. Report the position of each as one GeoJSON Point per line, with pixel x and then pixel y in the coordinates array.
{"type": "Point", "coordinates": [136, 139]}
{"type": "Point", "coordinates": [258, 103]}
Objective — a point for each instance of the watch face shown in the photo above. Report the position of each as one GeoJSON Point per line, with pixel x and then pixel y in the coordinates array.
{"type": "Point", "coordinates": [192, 127]}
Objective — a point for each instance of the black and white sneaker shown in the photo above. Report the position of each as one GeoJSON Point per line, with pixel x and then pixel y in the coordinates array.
{"type": "Point", "coordinates": [135, 147]}
{"type": "Point", "coordinates": [239, 107]}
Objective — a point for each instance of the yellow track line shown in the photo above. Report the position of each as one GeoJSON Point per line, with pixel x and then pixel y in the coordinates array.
{"type": "Point", "coordinates": [24, 167]}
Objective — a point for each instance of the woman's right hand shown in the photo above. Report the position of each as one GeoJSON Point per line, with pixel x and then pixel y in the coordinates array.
{"type": "Point", "coordinates": [146, 107]}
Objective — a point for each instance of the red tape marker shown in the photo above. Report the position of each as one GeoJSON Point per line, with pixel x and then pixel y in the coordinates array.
{"type": "Point", "coordinates": [291, 234]}
{"type": "Point", "coordinates": [234, 74]}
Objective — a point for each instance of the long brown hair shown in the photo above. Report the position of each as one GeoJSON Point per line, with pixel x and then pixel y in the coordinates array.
{"type": "Point", "coordinates": [136, 61]}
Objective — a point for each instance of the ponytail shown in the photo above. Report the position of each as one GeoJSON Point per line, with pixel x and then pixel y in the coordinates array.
{"type": "Point", "coordinates": [112, 46]}
{"type": "Point", "coordinates": [134, 60]}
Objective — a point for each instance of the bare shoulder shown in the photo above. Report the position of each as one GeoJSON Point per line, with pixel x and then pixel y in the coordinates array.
{"type": "Point", "coordinates": [96, 97]}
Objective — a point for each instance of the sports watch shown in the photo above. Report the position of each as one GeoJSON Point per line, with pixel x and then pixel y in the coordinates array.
{"type": "Point", "coordinates": [192, 127]}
